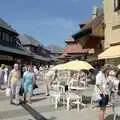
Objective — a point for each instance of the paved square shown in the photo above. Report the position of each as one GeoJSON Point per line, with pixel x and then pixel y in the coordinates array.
{"type": "Point", "coordinates": [42, 109]}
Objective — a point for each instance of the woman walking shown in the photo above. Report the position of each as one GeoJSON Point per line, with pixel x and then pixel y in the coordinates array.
{"type": "Point", "coordinates": [14, 83]}
{"type": "Point", "coordinates": [28, 81]}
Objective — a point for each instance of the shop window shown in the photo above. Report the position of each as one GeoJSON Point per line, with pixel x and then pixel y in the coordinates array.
{"type": "Point", "coordinates": [116, 5]}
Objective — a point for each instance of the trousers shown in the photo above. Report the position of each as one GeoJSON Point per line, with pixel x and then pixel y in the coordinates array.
{"type": "Point", "coordinates": [15, 88]}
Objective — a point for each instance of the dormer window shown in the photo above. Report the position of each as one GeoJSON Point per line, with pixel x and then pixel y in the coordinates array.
{"type": "Point", "coordinates": [116, 5]}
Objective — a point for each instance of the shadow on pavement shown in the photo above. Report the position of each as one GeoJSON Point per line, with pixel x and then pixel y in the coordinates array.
{"type": "Point", "coordinates": [111, 117]}
{"type": "Point", "coordinates": [38, 99]}
{"type": "Point", "coordinates": [36, 115]}
{"type": "Point", "coordinates": [37, 94]}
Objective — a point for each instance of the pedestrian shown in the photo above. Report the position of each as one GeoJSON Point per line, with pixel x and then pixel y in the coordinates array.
{"type": "Point", "coordinates": [112, 81]}
{"type": "Point", "coordinates": [2, 75]}
{"type": "Point", "coordinates": [14, 81]}
{"type": "Point", "coordinates": [5, 74]}
{"type": "Point", "coordinates": [101, 89]}
{"type": "Point", "coordinates": [28, 82]}
{"type": "Point", "coordinates": [116, 99]}
{"type": "Point", "coordinates": [48, 79]}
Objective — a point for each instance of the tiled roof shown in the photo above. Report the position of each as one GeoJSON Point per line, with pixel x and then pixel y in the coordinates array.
{"type": "Point", "coordinates": [91, 25]}
{"type": "Point", "coordinates": [13, 50]}
{"type": "Point", "coordinates": [5, 25]}
{"type": "Point", "coordinates": [55, 48]}
{"type": "Point", "coordinates": [63, 55]}
{"type": "Point", "coordinates": [99, 12]}
{"type": "Point", "coordinates": [87, 21]}
{"type": "Point", "coordinates": [28, 40]}
{"type": "Point", "coordinates": [75, 49]}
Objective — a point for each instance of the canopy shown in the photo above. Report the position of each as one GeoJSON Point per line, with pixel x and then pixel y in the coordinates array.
{"type": "Point", "coordinates": [77, 65]}
{"type": "Point", "coordinates": [112, 52]}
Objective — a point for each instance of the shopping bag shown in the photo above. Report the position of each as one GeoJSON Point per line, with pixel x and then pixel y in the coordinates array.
{"type": "Point", "coordinates": [8, 92]}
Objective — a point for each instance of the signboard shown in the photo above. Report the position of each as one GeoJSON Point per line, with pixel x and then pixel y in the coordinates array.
{"type": "Point", "coordinates": [6, 57]}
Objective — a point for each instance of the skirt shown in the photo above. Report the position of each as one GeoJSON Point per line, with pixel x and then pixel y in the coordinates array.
{"type": "Point", "coordinates": [104, 100]}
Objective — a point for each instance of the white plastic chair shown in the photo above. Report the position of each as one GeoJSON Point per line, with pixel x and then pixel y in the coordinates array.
{"type": "Point", "coordinates": [57, 93]}
{"type": "Point", "coordinates": [72, 98]}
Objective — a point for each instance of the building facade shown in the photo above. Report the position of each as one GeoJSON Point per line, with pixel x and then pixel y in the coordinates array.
{"type": "Point", "coordinates": [21, 48]}
{"type": "Point", "coordinates": [91, 35]}
{"type": "Point", "coordinates": [112, 22]}
{"type": "Point", "coordinates": [40, 55]}
{"type": "Point", "coordinates": [73, 51]}
{"type": "Point", "coordinates": [10, 46]}
{"type": "Point", "coordinates": [112, 31]}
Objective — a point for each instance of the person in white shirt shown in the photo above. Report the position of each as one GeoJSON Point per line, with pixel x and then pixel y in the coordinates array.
{"type": "Point", "coordinates": [5, 74]}
{"type": "Point", "coordinates": [101, 88]}
{"type": "Point", "coordinates": [49, 78]}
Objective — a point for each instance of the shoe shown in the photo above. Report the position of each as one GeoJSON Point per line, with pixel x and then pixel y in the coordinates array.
{"type": "Point", "coordinates": [17, 102]}
{"type": "Point", "coordinates": [12, 103]}
{"type": "Point", "coordinates": [29, 101]}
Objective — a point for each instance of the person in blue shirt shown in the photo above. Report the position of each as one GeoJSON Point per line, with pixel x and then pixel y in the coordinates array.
{"type": "Point", "coordinates": [28, 81]}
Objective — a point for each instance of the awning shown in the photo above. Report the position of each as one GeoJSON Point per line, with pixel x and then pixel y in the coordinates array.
{"type": "Point", "coordinates": [82, 33]}
{"type": "Point", "coordinates": [112, 52]}
{"type": "Point", "coordinates": [13, 50]}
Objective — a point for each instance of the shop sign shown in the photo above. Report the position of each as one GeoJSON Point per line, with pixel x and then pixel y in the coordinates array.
{"type": "Point", "coordinates": [6, 57]}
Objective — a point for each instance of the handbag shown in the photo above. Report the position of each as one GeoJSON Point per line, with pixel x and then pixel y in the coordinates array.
{"type": "Point", "coordinates": [21, 92]}
{"type": "Point", "coordinates": [35, 86]}
{"type": "Point", "coordinates": [7, 91]}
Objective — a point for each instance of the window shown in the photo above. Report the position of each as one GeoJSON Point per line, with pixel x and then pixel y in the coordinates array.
{"type": "Point", "coordinates": [7, 37]}
{"type": "Point", "coordinates": [0, 35]}
{"type": "Point", "coordinates": [3, 36]}
{"type": "Point", "coordinates": [116, 5]}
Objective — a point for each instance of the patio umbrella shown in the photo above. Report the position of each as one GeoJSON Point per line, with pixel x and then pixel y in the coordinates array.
{"type": "Point", "coordinates": [58, 67]}
{"type": "Point", "coordinates": [118, 66]}
{"type": "Point", "coordinates": [77, 65]}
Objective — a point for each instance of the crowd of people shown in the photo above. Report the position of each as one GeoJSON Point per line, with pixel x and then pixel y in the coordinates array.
{"type": "Point", "coordinates": [20, 81]}
{"type": "Point", "coordinates": [107, 85]}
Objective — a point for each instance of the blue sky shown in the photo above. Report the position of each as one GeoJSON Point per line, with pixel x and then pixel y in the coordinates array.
{"type": "Point", "coordinates": [50, 21]}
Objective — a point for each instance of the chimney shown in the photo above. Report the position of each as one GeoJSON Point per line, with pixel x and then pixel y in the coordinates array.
{"type": "Point", "coordinates": [94, 12]}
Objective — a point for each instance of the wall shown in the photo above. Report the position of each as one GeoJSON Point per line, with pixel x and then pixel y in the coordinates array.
{"type": "Point", "coordinates": [112, 23]}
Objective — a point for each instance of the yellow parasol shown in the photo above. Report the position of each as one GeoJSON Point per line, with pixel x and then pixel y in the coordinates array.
{"type": "Point", "coordinates": [58, 67]}
{"type": "Point", "coordinates": [77, 65]}
{"type": "Point", "coordinates": [118, 66]}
